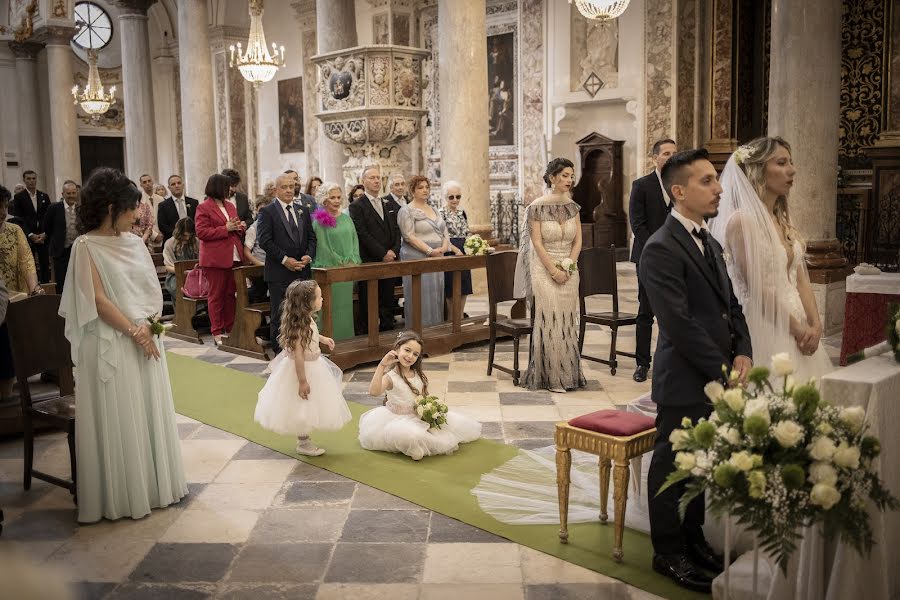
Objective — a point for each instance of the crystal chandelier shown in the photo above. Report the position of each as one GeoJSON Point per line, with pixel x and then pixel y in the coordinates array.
{"type": "Point", "coordinates": [601, 10]}
{"type": "Point", "coordinates": [257, 64]}
{"type": "Point", "coordinates": [94, 99]}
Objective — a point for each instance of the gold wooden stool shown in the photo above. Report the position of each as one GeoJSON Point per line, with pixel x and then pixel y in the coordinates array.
{"type": "Point", "coordinates": [613, 435]}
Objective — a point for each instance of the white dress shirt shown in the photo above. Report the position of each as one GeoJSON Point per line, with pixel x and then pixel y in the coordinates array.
{"type": "Point", "coordinates": [666, 198]}
{"type": "Point", "coordinates": [377, 205]}
{"type": "Point", "coordinates": [691, 227]}
{"type": "Point", "coordinates": [180, 206]}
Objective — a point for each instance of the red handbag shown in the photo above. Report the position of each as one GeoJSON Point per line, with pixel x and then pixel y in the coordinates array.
{"type": "Point", "coordinates": [196, 285]}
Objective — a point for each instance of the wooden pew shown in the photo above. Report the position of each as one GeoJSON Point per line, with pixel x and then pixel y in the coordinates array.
{"type": "Point", "coordinates": [248, 318]}
{"type": "Point", "coordinates": [185, 308]}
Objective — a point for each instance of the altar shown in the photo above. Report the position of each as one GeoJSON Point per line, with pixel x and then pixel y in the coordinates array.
{"type": "Point", "coordinates": [866, 310]}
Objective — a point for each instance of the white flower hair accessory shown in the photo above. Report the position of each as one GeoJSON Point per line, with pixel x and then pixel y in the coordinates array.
{"type": "Point", "coordinates": [742, 154]}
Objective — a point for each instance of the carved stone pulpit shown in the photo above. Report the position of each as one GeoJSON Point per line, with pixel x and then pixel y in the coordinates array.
{"type": "Point", "coordinates": [599, 193]}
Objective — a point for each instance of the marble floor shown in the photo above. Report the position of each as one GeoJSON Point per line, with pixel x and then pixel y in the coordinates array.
{"type": "Point", "coordinates": [258, 524]}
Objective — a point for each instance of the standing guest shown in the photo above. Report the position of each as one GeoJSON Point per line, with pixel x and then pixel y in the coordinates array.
{"type": "Point", "coordinates": [379, 241]}
{"type": "Point", "coordinates": [161, 191]}
{"type": "Point", "coordinates": [221, 235]}
{"type": "Point", "coordinates": [286, 234]}
{"type": "Point", "coordinates": [458, 228]}
{"type": "Point", "coordinates": [336, 246]}
{"type": "Point", "coordinates": [19, 187]}
{"type": "Point", "coordinates": [356, 192]}
{"type": "Point", "coordinates": [312, 186]}
{"type": "Point", "coordinates": [175, 207]}
{"type": "Point", "coordinates": [144, 222]}
{"type": "Point", "coordinates": [30, 205]}
{"type": "Point", "coordinates": [397, 189]}
{"type": "Point", "coordinates": [424, 235]}
{"type": "Point", "coordinates": [268, 192]}
{"type": "Point", "coordinates": [61, 227]}
{"type": "Point", "coordinates": [244, 210]}
{"type": "Point", "coordinates": [255, 255]}
{"type": "Point", "coordinates": [305, 200]}
{"type": "Point", "coordinates": [181, 246]}
{"type": "Point", "coordinates": [126, 438]}
{"type": "Point", "coordinates": [647, 211]}
{"type": "Point", "coordinates": [149, 196]}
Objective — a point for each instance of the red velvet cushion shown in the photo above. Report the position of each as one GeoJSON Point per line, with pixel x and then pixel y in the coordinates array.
{"type": "Point", "coordinates": [614, 422]}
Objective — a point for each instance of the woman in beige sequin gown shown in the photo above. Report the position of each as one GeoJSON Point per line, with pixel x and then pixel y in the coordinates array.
{"type": "Point", "coordinates": [554, 234]}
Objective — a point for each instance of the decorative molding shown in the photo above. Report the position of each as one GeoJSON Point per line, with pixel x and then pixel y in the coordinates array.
{"type": "Point", "coordinates": [25, 50]}
{"type": "Point", "coordinates": [221, 36]}
{"type": "Point", "coordinates": [305, 13]}
{"type": "Point", "coordinates": [55, 35]}
{"type": "Point", "coordinates": [61, 10]}
{"type": "Point", "coordinates": [134, 7]}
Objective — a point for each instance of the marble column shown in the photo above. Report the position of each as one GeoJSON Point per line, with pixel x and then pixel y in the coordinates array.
{"type": "Point", "coordinates": [63, 118]}
{"type": "Point", "coordinates": [306, 15]}
{"type": "Point", "coordinates": [29, 141]}
{"type": "Point", "coordinates": [462, 46]}
{"type": "Point", "coordinates": [804, 108]}
{"type": "Point", "coordinates": [722, 123]}
{"type": "Point", "coordinates": [165, 112]}
{"type": "Point", "coordinates": [335, 30]}
{"type": "Point", "coordinates": [197, 95]}
{"type": "Point", "coordinates": [137, 79]}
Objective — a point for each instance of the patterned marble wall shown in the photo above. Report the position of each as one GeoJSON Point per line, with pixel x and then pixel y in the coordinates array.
{"type": "Point", "coordinates": [687, 23]}
{"type": "Point", "coordinates": [659, 83]}
{"type": "Point", "coordinates": [532, 67]}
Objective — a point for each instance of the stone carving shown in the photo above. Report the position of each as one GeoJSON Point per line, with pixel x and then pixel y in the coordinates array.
{"type": "Point", "coordinates": [595, 50]}
{"type": "Point", "coordinates": [406, 81]}
{"type": "Point", "coordinates": [342, 83]}
{"type": "Point", "coordinates": [378, 86]}
{"type": "Point", "coordinates": [59, 9]}
{"type": "Point", "coordinates": [21, 18]}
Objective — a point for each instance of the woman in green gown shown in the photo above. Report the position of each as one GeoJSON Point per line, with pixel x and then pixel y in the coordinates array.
{"type": "Point", "coordinates": [336, 246]}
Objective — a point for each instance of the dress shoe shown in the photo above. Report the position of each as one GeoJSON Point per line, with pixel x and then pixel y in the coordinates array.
{"type": "Point", "coordinates": [640, 374]}
{"type": "Point", "coordinates": [679, 569]}
{"type": "Point", "coordinates": [702, 555]}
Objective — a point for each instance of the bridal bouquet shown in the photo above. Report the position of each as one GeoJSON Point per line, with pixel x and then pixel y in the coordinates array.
{"type": "Point", "coordinates": [782, 460]}
{"type": "Point", "coordinates": [568, 265]}
{"type": "Point", "coordinates": [432, 411]}
{"type": "Point", "coordinates": [475, 246]}
{"type": "Point", "coordinates": [891, 345]}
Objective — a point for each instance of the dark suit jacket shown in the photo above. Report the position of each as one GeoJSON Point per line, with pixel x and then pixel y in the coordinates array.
{"type": "Point", "coordinates": [167, 215]}
{"type": "Point", "coordinates": [243, 208]}
{"type": "Point", "coordinates": [307, 201]}
{"type": "Point", "coordinates": [217, 244]}
{"type": "Point", "coordinates": [701, 324]}
{"type": "Point", "coordinates": [647, 211]}
{"type": "Point", "coordinates": [274, 237]}
{"type": "Point", "coordinates": [55, 228]}
{"type": "Point", "coordinates": [376, 235]}
{"type": "Point", "coordinates": [33, 221]}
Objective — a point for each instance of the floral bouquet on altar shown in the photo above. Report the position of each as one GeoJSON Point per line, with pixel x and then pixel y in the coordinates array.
{"type": "Point", "coordinates": [475, 246]}
{"type": "Point", "coordinates": [432, 411]}
{"type": "Point", "coordinates": [780, 461]}
{"type": "Point", "coordinates": [891, 345]}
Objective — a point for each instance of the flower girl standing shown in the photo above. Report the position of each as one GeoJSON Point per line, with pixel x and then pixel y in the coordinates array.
{"type": "Point", "coordinates": [396, 427]}
{"type": "Point", "coordinates": [303, 392]}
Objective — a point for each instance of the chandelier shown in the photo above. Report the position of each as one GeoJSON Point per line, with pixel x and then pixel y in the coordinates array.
{"type": "Point", "coordinates": [257, 64]}
{"type": "Point", "coordinates": [601, 10]}
{"type": "Point", "coordinates": [94, 99]}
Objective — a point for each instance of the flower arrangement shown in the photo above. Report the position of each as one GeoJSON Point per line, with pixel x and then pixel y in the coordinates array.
{"type": "Point", "coordinates": [324, 218]}
{"type": "Point", "coordinates": [782, 460]}
{"type": "Point", "coordinates": [891, 345]}
{"type": "Point", "coordinates": [432, 411]}
{"type": "Point", "coordinates": [742, 154]}
{"type": "Point", "coordinates": [568, 265]}
{"type": "Point", "coordinates": [475, 246]}
{"type": "Point", "coordinates": [156, 326]}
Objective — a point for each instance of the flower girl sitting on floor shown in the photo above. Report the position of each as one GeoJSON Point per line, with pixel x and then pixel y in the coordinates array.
{"type": "Point", "coordinates": [396, 427]}
{"type": "Point", "coordinates": [303, 392]}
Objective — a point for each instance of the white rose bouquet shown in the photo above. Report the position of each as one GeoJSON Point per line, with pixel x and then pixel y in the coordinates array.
{"type": "Point", "coordinates": [782, 460]}
{"type": "Point", "coordinates": [892, 344]}
{"type": "Point", "coordinates": [567, 264]}
{"type": "Point", "coordinates": [432, 411]}
{"type": "Point", "coordinates": [475, 246]}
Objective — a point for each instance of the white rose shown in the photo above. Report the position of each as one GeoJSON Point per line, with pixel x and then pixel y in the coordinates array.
{"type": "Point", "coordinates": [741, 460]}
{"type": "Point", "coordinates": [702, 463]}
{"type": "Point", "coordinates": [713, 390]}
{"type": "Point", "coordinates": [788, 433]}
{"type": "Point", "coordinates": [789, 384]}
{"type": "Point", "coordinates": [566, 263]}
{"type": "Point", "coordinates": [824, 428]}
{"type": "Point", "coordinates": [734, 398]}
{"type": "Point", "coordinates": [822, 448]}
{"type": "Point", "coordinates": [854, 417]}
{"type": "Point", "coordinates": [782, 364]}
{"type": "Point", "coordinates": [429, 405]}
{"type": "Point", "coordinates": [685, 461]}
{"type": "Point", "coordinates": [679, 439]}
{"type": "Point", "coordinates": [846, 456]}
{"type": "Point", "coordinates": [822, 472]}
{"type": "Point", "coordinates": [825, 496]}
{"type": "Point", "coordinates": [420, 411]}
{"type": "Point", "coordinates": [758, 407]}
{"type": "Point", "coordinates": [729, 434]}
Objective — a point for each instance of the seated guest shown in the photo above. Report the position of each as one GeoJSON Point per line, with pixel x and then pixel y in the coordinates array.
{"type": "Point", "coordinates": [182, 245]}
{"type": "Point", "coordinates": [424, 235]}
{"type": "Point", "coordinates": [312, 186]}
{"type": "Point", "coordinates": [244, 210]}
{"type": "Point", "coordinates": [61, 227]}
{"type": "Point", "coordinates": [336, 246]}
{"type": "Point", "coordinates": [458, 228]}
{"type": "Point", "coordinates": [144, 221]}
{"type": "Point", "coordinates": [175, 207]}
{"type": "Point", "coordinates": [255, 255]}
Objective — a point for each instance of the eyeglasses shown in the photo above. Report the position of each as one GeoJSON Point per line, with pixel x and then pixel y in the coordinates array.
{"type": "Point", "coordinates": [457, 197]}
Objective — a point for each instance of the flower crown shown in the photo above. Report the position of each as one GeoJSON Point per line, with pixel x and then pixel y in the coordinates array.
{"type": "Point", "coordinates": [742, 154]}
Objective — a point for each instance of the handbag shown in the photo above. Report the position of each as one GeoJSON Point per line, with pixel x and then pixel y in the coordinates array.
{"type": "Point", "coordinates": [196, 285]}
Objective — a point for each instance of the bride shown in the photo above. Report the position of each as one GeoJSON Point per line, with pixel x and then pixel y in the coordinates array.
{"type": "Point", "coordinates": [764, 255]}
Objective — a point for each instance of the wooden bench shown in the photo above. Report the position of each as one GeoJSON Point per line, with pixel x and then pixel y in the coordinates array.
{"type": "Point", "coordinates": [185, 308]}
{"type": "Point", "coordinates": [248, 318]}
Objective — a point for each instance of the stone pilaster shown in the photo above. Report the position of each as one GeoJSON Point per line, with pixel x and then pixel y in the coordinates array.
{"type": "Point", "coordinates": [305, 11]}
{"type": "Point", "coordinates": [137, 79]}
{"type": "Point", "coordinates": [29, 142]}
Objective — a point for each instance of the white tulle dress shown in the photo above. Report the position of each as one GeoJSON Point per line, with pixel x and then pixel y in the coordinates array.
{"type": "Point", "coordinates": [280, 408]}
{"type": "Point", "coordinates": [396, 427]}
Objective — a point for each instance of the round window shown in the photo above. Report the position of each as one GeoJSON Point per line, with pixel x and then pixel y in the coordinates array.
{"type": "Point", "coordinates": [94, 26]}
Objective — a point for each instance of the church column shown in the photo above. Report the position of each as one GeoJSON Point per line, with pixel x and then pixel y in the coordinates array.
{"type": "Point", "coordinates": [462, 46]}
{"type": "Point", "coordinates": [197, 95]}
{"type": "Point", "coordinates": [806, 55]}
{"type": "Point", "coordinates": [165, 113]}
{"type": "Point", "coordinates": [29, 142]}
{"type": "Point", "coordinates": [63, 118]}
{"type": "Point", "coordinates": [335, 30]}
{"type": "Point", "coordinates": [137, 79]}
{"type": "Point", "coordinates": [306, 15]}
{"type": "Point", "coordinates": [235, 109]}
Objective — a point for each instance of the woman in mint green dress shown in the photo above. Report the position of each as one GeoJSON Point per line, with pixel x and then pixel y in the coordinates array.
{"type": "Point", "coordinates": [336, 246]}
{"type": "Point", "coordinates": [126, 439]}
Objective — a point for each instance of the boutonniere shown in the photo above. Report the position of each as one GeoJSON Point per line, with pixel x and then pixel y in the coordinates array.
{"type": "Point", "coordinates": [156, 326]}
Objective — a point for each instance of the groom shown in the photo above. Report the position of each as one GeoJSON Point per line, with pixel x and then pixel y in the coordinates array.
{"type": "Point", "coordinates": [701, 328]}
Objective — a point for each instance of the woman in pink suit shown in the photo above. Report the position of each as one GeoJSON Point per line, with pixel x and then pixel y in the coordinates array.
{"type": "Point", "coordinates": [221, 235]}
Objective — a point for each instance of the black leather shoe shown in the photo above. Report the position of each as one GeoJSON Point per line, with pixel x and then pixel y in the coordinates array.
{"type": "Point", "coordinates": [640, 374]}
{"type": "Point", "coordinates": [702, 555]}
{"type": "Point", "coordinates": [679, 569]}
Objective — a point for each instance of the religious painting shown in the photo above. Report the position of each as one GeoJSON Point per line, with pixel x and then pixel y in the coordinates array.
{"type": "Point", "coordinates": [381, 29]}
{"type": "Point", "coordinates": [400, 28]}
{"type": "Point", "coordinates": [290, 115]}
{"type": "Point", "coordinates": [501, 90]}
